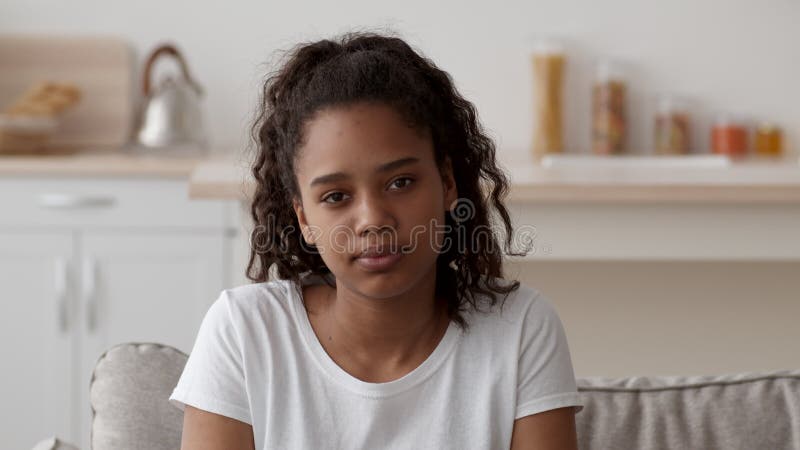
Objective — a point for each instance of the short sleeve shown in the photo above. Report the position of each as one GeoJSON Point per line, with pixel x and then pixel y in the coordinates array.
{"type": "Point", "coordinates": [213, 378]}
{"type": "Point", "coordinates": [545, 378]}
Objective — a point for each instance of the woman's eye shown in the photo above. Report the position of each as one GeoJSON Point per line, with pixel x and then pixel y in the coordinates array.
{"type": "Point", "coordinates": [337, 197]}
{"type": "Point", "coordinates": [332, 195]}
{"type": "Point", "coordinates": [410, 180]}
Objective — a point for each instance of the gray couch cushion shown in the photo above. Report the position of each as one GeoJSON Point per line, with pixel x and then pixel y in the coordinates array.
{"type": "Point", "coordinates": [132, 382]}
{"type": "Point", "coordinates": [753, 410]}
{"type": "Point", "coordinates": [54, 443]}
{"type": "Point", "coordinates": [128, 394]}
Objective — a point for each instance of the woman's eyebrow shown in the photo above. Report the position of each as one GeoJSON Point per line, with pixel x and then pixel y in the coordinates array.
{"type": "Point", "coordinates": [386, 167]}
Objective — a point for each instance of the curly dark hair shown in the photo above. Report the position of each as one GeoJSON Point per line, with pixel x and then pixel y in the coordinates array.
{"type": "Point", "coordinates": [376, 67]}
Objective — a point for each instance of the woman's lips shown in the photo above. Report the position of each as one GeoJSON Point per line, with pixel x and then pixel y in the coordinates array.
{"type": "Point", "coordinates": [379, 263]}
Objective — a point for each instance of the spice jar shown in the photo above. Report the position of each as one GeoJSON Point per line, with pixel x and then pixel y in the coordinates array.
{"type": "Point", "coordinates": [768, 140]}
{"type": "Point", "coordinates": [608, 110]}
{"type": "Point", "coordinates": [729, 137]}
{"type": "Point", "coordinates": [548, 69]}
{"type": "Point", "coordinates": [672, 122]}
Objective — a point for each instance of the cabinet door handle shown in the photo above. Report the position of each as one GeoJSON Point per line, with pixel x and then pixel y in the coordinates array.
{"type": "Point", "coordinates": [89, 290]}
{"type": "Point", "coordinates": [74, 201]}
{"type": "Point", "coordinates": [61, 288]}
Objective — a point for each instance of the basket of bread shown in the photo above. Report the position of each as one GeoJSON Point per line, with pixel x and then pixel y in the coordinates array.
{"type": "Point", "coordinates": [28, 123]}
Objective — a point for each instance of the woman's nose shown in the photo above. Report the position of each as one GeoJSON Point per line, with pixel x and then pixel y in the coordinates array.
{"type": "Point", "coordinates": [374, 215]}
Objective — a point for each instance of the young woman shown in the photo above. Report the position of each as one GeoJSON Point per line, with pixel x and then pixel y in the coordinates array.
{"type": "Point", "coordinates": [378, 317]}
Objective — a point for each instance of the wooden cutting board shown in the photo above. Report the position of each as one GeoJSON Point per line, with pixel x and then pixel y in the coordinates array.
{"type": "Point", "coordinates": [101, 66]}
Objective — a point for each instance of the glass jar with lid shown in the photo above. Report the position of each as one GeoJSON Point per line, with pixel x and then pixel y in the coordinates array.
{"type": "Point", "coordinates": [768, 140]}
{"type": "Point", "coordinates": [729, 136]}
{"type": "Point", "coordinates": [608, 109]}
{"type": "Point", "coordinates": [672, 126]}
{"type": "Point", "coordinates": [548, 60]}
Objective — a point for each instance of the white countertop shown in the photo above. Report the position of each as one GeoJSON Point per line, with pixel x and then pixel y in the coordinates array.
{"type": "Point", "coordinates": [569, 181]}
{"type": "Point", "coordinates": [100, 163]}
{"type": "Point", "coordinates": [756, 181]}
{"type": "Point", "coordinates": [744, 211]}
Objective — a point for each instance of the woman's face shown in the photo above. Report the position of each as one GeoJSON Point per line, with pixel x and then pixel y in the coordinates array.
{"type": "Point", "coordinates": [366, 179]}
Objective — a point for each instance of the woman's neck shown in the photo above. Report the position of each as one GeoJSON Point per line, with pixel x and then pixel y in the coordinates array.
{"type": "Point", "coordinates": [380, 339]}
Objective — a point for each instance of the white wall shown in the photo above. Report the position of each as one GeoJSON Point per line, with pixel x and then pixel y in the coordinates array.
{"type": "Point", "coordinates": [728, 54]}
{"type": "Point", "coordinates": [736, 55]}
{"type": "Point", "coordinates": [673, 318]}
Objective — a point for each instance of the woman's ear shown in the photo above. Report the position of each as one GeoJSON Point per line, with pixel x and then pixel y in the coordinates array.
{"type": "Point", "coordinates": [449, 183]}
{"type": "Point", "coordinates": [301, 220]}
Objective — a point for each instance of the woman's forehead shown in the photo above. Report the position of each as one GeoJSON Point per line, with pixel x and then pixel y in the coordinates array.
{"type": "Point", "coordinates": [361, 129]}
{"type": "Point", "coordinates": [360, 141]}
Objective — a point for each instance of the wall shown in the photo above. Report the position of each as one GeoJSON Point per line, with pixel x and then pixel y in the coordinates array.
{"type": "Point", "coordinates": [733, 55]}
{"type": "Point", "coordinates": [726, 55]}
{"type": "Point", "coordinates": [673, 318]}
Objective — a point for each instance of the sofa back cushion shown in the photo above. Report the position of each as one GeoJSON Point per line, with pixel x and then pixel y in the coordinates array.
{"type": "Point", "coordinates": [754, 410]}
{"type": "Point", "coordinates": [132, 382]}
{"type": "Point", "coordinates": [129, 392]}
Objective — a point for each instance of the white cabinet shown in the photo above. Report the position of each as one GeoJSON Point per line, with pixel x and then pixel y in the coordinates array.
{"type": "Point", "coordinates": [85, 265]}
{"type": "Point", "coordinates": [36, 338]}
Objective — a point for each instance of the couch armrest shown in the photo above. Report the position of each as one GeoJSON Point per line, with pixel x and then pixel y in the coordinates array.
{"type": "Point", "coordinates": [54, 443]}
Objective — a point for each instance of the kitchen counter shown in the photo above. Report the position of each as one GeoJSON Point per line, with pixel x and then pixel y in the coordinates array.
{"type": "Point", "coordinates": [101, 163]}
{"type": "Point", "coordinates": [760, 182]}
{"type": "Point", "coordinates": [225, 177]}
{"type": "Point", "coordinates": [742, 212]}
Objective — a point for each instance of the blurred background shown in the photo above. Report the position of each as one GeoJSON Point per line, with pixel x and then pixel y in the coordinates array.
{"type": "Point", "coordinates": [652, 149]}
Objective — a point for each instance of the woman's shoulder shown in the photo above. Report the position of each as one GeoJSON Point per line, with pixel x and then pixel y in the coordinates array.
{"type": "Point", "coordinates": [267, 300]}
{"type": "Point", "coordinates": [519, 295]}
{"type": "Point", "coordinates": [265, 289]}
{"type": "Point", "coordinates": [525, 305]}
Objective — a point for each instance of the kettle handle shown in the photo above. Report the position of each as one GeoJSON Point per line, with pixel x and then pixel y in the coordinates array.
{"type": "Point", "coordinates": [168, 49]}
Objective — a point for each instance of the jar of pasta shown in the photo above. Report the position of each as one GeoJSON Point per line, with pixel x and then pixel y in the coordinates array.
{"type": "Point", "coordinates": [608, 110]}
{"type": "Point", "coordinates": [672, 136]}
{"type": "Point", "coordinates": [548, 61]}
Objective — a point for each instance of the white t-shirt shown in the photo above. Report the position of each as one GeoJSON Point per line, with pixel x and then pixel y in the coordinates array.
{"type": "Point", "coordinates": [257, 359]}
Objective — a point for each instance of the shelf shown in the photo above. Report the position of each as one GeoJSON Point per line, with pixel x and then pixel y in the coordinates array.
{"type": "Point", "coordinates": [737, 183]}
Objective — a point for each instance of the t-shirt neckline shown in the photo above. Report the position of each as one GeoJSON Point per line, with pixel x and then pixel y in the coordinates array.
{"type": "Point", "coordinates": [329, 366]}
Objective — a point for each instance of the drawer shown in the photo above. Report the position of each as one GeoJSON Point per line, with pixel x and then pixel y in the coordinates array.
{"type": "Point", "coordinates": [107, 202]}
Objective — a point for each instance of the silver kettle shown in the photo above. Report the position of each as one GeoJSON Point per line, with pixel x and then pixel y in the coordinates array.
{"type": "Point", "coordinates": [171, 114]}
